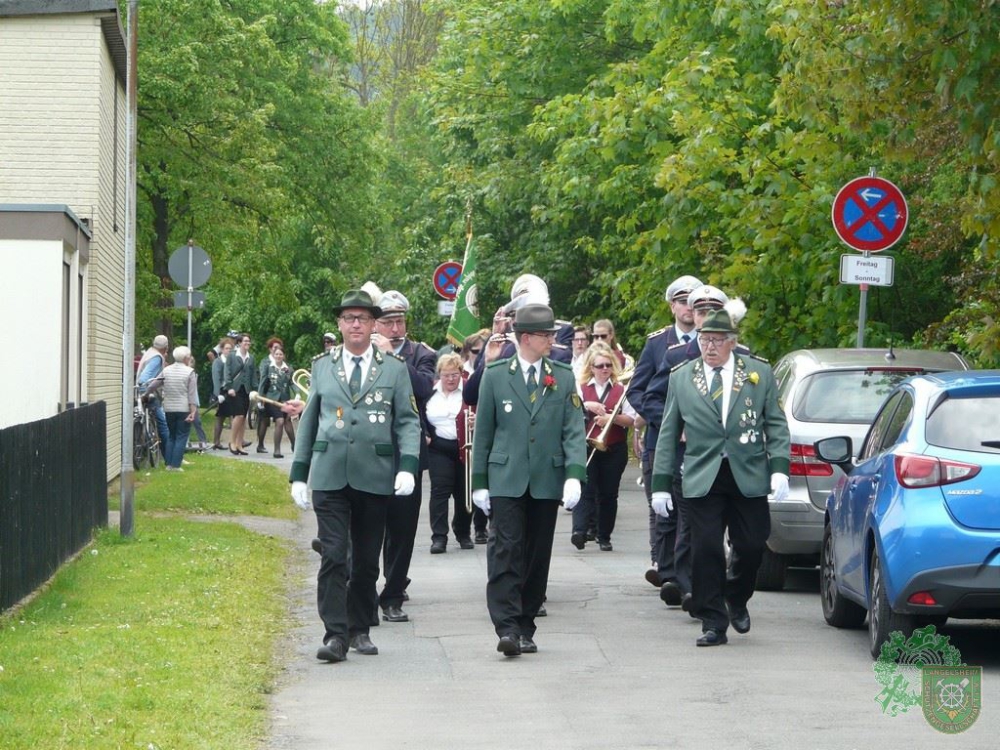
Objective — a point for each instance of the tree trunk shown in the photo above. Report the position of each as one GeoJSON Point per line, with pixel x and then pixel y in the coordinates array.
{"type": "Point", "coordinates": [161, 255]}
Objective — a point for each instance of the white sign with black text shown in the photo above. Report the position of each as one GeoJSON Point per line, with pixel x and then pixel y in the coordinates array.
{"type": "Point", "coordinates": [873, 270]}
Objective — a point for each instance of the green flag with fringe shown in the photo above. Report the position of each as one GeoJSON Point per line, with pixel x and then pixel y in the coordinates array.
{"type": "Point", "coordinates": [465, 316]}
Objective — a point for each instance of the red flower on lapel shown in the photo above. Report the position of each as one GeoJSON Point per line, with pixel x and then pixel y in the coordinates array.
{"type": "Point", "coordinates": [549, 382]}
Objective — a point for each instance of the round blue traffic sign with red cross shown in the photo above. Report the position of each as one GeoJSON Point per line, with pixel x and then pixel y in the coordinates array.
{"type": "Point", "coordinates": [447, 278]}
{"type": "Point", "coordinates": [870, 214]}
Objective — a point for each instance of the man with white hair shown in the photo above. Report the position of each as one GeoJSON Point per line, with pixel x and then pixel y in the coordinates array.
{"type": "Point", "coordinates": [180, 404]}
{"type": "Point", "coordinates": [154, 359]}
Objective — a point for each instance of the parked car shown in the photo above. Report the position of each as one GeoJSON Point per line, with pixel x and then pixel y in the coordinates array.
{"type": "Point", "coordinates": [827, 392]}
{"type": "Point", "coordinates": [912, 532]}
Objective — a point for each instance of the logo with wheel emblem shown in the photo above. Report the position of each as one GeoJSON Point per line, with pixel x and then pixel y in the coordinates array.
{"type": "Point", "coordinates": [952, 697]}
{"type": "Point", "coordinates": [926, 670]}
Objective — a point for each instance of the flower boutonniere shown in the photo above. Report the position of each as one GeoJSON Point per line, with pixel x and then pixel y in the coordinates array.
{"type": "Point", "coordinates": [753, 378]}
{"type": "Point", "coordinates": [549, 382]}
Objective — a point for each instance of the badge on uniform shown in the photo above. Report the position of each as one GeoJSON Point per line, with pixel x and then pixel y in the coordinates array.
{"type": "Point", "coordinates": [378, 396]}
{"type": "Point", "coordinates": [508, 406]}
{"type": "Point", "coordinates": [339, 424]}
{"type": "Point", "coordinates": [575, 398]}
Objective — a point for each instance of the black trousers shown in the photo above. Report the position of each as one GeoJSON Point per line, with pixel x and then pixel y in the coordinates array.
{"type": "Point", "coordinates": [749, 522]}
{"type": "Point", "coordinates": [604, 477]}
{"type": "Point", "coordinates": [673, 551]}
{"type": "Point", "coordinates": [646, 464]}
{"type": "Point", "coordinates": [447, 481]}
{"type": "Point", "coordinates": [350, 526]}
{"type": "Point", "coordinates": [401, 521]}
{"type": "Point", "coordinates": [517, 561]}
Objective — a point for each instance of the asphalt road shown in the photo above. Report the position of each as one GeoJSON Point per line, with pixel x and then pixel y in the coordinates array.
{"type": "Point", "coordinates": [615, 667]}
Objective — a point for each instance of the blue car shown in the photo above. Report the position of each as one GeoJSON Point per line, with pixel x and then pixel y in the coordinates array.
{"type": "Point", "coordinates": [912, 531]}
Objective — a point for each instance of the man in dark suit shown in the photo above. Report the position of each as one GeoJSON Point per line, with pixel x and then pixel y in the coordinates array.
{"type": "Point", "coordinates": [529, 452]}
{"type": "Point", "coordinates": [652, 353]}
{"type": "Point", "coordinates": [673, 555]}
{"type": "Point", "coordinates": [404, 511]}
{"type": "Point", "coordinates": [360, 415]}
{"type": "Point", "coordinates": [726, 406]}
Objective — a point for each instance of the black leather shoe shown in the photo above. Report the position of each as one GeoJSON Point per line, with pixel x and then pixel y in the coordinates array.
{"type": "Point", "coordinates": [481, 537]}
{"type": "Point", "coordinates": [392, 613]}
{"type": "Point", "coordinates": [439, 548]}
{"type": "Point", "coordinates": [527, 645]}
{"type": "Point", "coordinates": [740, 618]}
{"type": "Point", "coordinates": [261, 449]}
{"type": "Point", "coordinates": [578, 539]}
{"type": "Point", "coordinates": [332, 651]}
{"type": "Point", "coordinates": [712, 638]}
{"type": "Point", "coordinates": [509, 645]}
{"type": "Point", "coordinates": [670, 593]}
{"type": "Point", "coordinates": [406, 597]}
{"type": "Point", "coordinates": [541, 612]}
{"type": "Point", "coordinates": [605, 546]}
{"type": "Point", "coordinates": [466, 543]}
{"type": "Point", "coordinates": [591, 535]}
{"type": "Point", "coordinates": [363, 645]}
{"type": "Point", "coordinates": [317, 547]}
{"type": "Point", "coordinates": [652, 577]}
{"type": "Point", "coordinates": [686, 606]}
{"type": "Point", "coordinates": [279, 455]}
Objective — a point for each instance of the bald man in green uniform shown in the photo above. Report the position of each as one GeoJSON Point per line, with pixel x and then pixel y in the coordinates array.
{"type": "Point", "coordinates": [528, 452]}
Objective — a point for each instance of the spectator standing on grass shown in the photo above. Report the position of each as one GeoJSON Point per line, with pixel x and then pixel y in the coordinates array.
{"type": "Point", "coordinates": [154, 359]}
{"type": "Point", "coordinates": [180, 404]}
{"type": "Point", "coordinates": [219, 392]}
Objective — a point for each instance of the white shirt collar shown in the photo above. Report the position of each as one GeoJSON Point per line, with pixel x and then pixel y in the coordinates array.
{"type": "Point", "coordinates": [681, 334]}
{"type": "Point", "coordinates": [525, 364]}
{"type": "Point", "coordinates": [348, 358]}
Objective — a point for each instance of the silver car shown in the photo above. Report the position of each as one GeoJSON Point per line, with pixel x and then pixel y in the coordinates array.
{"type": "Point", "coordinates": [827, 392]}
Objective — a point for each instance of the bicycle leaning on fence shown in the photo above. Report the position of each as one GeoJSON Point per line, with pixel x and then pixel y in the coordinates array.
{"type": "Point", "coordinates": [146, 447]}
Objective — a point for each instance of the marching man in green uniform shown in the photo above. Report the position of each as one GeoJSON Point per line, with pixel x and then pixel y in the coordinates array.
{"type": "Point", "coordinates": [726, 406]}
{"type": "Point", "coordinates": [360, 409]}
{"type": "Point", "coordinates": [528, 453]}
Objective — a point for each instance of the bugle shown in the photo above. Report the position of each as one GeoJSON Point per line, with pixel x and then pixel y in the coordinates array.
{"type": "Point", "coordinates": [256, 398]}
{"type": "Point", "coordinates": [468, 432]}
{"type": "Point", "coordinates": [301, 382]}
{"type": "Point", "coordinates": [599, 442]}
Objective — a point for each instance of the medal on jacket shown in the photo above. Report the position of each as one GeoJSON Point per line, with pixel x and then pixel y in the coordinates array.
{"type": "Point", "coordinates": [340, 418]}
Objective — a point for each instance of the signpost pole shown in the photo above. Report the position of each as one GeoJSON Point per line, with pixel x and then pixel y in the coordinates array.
{"type": "Point", "coordinates": [190, 288]}
{"type": "Point", "coordinates": [862, 311]}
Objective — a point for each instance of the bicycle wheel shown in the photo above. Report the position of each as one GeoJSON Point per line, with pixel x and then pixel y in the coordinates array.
{"type": "Point", "coordinates": [252, 418]}
{"type": "Point", "coordinates": [153, 439]}
{"type": "Point", "coordinates": [139, 455]}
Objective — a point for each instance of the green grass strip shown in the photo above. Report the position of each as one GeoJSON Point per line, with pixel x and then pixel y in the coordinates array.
{"type": "Point", "coordinates": [212, 484]}
{"type": "Point", "coordinates": [164, 640]}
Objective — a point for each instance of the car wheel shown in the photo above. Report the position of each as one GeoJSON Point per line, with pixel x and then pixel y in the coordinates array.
{"type": "Point", "coordinates": [772, 570]}
{"type": "Point", "coordinates": [837, 610]}
{"type": "Point", "coordinates": [882, 620]}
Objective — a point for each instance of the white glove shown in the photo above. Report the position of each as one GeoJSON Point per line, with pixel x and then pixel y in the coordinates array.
{"type": "Point", "coordinates": [779, 487]}
{"type": "Point", "coordinates": [300, 494]}
{"type": "Point", "coordinates": [663, 504]}
{"type": "Point", "coordinates": [405, 483]}
{"type": "Point", "coordinates": [571, 493]}
{"type": "Point", "coordinates": [481, 499]}
{"type": "Point", "coordinates": [221, 398]}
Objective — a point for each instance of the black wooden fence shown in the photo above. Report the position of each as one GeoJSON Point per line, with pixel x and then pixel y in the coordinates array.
{"type": "Point", "coordinates": [53, 493]}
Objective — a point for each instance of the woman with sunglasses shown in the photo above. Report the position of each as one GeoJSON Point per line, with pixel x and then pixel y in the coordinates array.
{"type": "Point", "coordinates": [604, 330]}
{"type": "Point", "coordinates": [601, 392]}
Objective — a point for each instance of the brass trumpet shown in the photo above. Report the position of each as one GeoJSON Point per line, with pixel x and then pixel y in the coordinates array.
{"type": "Point", "coordinates": [302, 382]}
{"type": "Point", "coordinates": [599, 443]}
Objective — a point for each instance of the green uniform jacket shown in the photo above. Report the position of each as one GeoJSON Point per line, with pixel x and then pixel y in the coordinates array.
{"type": "Point", "coordinates": [239, 373]}
{"type": "Point", "coordinates": [349, 442]}
{"type": "Point", "coordinates": [522, 446]}
{"type": "Point", "coordinates": [755, 437]}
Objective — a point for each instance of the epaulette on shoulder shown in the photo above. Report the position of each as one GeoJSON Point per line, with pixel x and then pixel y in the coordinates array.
{"type": "Point", "coordinates": [758, 358]}
{"type": "Point", "coordinates": [394, 356]}
{"type": "Point", "coordinates": [678, 345]}
{"type": "Point", "coordinates": [563, 365]}
{"type": "Point", "coordinates": [679, 365]}
{"type": "Point", "coordinates": [559, 346]}
{"type": "Point", "coordinates": [563, 323]}
{"type": "Point", "coordinates": [319, 356]}
{"type": "Point", "coordinates": [428, 348]}
{"type": "Point", "coordinates": [498, 362]}
{"type": "Point", "coordinates": [657, 332]}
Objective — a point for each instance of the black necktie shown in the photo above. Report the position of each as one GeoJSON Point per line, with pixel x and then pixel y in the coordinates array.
{"type": "Point", "coordinates": [532, 383]}
{"type": "Point", "coordinates": [717, 389]}
{"type": "Point", "coordinates": [355, 381]}
{"type": "Point", "coordinates": [686, 338]}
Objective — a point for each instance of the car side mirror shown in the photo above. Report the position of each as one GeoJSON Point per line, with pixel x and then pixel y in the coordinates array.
{"type": "Point", "coordinates": [838, 451]}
